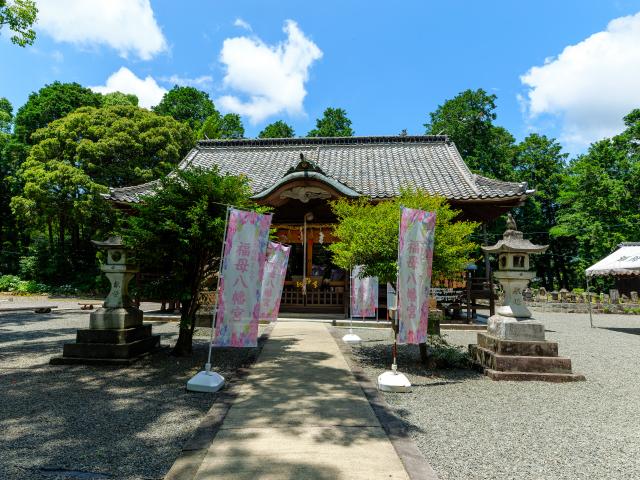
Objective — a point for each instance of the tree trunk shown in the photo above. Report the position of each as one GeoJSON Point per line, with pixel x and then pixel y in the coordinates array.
{"type": "Point", "coordinates": [423, 353]}
{"type": "Point", "coordinates": [184, 345]}
{"type": "Point", "coordinates": [50, 228]}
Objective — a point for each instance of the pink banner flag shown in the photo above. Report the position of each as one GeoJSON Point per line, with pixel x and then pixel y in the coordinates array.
{"type": "Point", "coordinates": [275, 270]}
{"type": "Point", "coordinates": [364, 294]}
{"type": "Point", "coordinates": [415, 256]}
{"type": "Point", "coordinates": [241, 279]}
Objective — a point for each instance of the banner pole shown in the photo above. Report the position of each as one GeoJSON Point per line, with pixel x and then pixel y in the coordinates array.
{"type": "Point", "coordinates": [207, 366]}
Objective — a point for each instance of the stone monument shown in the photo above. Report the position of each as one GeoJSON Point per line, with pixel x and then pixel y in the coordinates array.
{"type": "Point", "coordinates": [514, 347]}
{"type": "Point", "coordinates": [116, 334]}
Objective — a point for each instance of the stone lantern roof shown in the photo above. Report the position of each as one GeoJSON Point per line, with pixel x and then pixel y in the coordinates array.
{"type": "Point", "coordinates": [513, 241]}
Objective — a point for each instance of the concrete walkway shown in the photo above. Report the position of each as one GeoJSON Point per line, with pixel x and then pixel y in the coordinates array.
{"type": "Point", "coordinates": [301, 415]}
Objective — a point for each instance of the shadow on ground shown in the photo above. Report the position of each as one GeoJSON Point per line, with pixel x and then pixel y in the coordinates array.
{"type": "Point", "coordinates": [123, 422]}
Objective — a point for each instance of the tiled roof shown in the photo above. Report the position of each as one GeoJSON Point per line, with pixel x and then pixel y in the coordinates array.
{"type": "Point", "coordinates": [377, 167]}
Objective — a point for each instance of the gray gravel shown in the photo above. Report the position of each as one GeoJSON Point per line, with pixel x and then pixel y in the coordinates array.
{"type": "Point", "coordinates": [70, 422]}
{"type": "Point", "coordinates": [469, 427]}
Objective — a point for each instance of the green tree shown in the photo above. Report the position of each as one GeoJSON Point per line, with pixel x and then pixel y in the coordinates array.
{"type": "Point", "coordinates": [50, 103]}
{"type": "Point", "coordinates": [278, 129]}
{"type": "Point", "coordinates": [179, 229]}
{"type": "Point", "coordinates": [222, 126]}
{"type": "Point", "coordinates": [599, 205]}
{"type": "Point", "coordinates": [540, 162]}
{"type": "Point", "coordinates": [116, 145]}
{"type": "Point", "coordinates": [468, 121]}
{"type": "Point", "coordinates": [119, 98]}
{"type": "Point", "coordinates": [186, 104]}
{"type": "Point", "coordinates": [19, 16]}
{"type": "Point", "coordinates": [334, 123]}
{"type": "Point", "coordinates": [368, 235]}
{"type": "Point", "coordinates": [57, 195]}
{"type": "Point", "coordinates": [6, 115]}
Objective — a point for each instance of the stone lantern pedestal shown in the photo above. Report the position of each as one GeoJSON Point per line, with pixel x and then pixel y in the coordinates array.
{"type": "Point", "coordinates": [116, 334]}
{"type": "Point", "coordinates": [514, 347]}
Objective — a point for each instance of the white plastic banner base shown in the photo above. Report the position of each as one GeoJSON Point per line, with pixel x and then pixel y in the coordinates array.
{"type": "Point", "coordinates": [393, 382]}
{"type": "Point", "coordinates": [206, 381]}
{"type": "Point", "coordinates": [351, 338]}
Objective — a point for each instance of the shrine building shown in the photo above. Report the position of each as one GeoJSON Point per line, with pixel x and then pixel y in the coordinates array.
{"type": "Point", "coordinates": [297, 177]}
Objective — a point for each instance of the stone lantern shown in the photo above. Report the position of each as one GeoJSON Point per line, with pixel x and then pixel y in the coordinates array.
{"type": "Point", "coordinates": [513, 274]}
{"type": "Point", "coordinates": [117, 311]}
{"type": "Point", "coordinates": [514, 347]}
{"type": "Point", "coordinates": [116, 334]}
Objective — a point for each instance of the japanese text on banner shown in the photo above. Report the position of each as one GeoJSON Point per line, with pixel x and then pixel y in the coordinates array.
{"type": "Point", "coordinates": [275, 270]}
{"type": "Point", "coordinates": [364, 294]}
{"type": "Point", "coordinates": [238, 312]}
{"type": "Point", "coordinates": [415, 256]}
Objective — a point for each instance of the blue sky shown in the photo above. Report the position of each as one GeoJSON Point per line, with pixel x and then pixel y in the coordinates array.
{"type": "Point", "coordinates": [387, 63]}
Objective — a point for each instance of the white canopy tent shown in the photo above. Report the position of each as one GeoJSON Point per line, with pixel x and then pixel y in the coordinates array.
{"type": "Point", "coordinates": [625, 261]}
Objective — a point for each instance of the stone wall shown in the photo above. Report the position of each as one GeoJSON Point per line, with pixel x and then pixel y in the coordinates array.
{"type": "Point", "coordinates": [578, 302]}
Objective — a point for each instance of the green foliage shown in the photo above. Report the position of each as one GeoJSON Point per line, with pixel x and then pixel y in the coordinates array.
{"type": "Point", "coordinates": [540, 162]}
{"type": "Point", "coordinates": [50, 103]}
{"type": "Point", "coordinates": [186, 104]}
{"type": "Point", "coordinates": [178, 231]}
{"type": "Point", "coordinates": [278, 129]}
{"type": "Point", "coordinates": [217, 126]}
{"type": "Point", "coordinates": [445, 355]}
{"type": "Point", "coordinates": [12, 283]}
{"type": "Point", "coordinates": [6, 115]}
{"type": "Point", "coordinates": [19, 16]}
{"type": "Point", "coordinates": [119, 98]}
{"type": "Point", "coordinates": [334, 123]}
{"type": "Point", "coordinates": [468, 121]}
{"type": "Point", "coordinates": [115, 146]}
{"type": "Point", "coordinates": [368, 235]}
{"type": "Point", "coordinates": [599, 197]}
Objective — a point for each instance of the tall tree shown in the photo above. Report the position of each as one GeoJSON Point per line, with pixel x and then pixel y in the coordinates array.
{"type": "Point", "coordinates": [186, 104]}
{"type": "Point", "coordinates": [51, 102]}
{"type": "Point", "coordinates": [468, 121]}
{"type": "Point", "coordinates": [117, 145]}
{"type": "Point", "coordinates": [119, 98]}
{"type": "Point", "coordinates": [599, 205]}
{"type": "Point", "coordinates": [334, 123]}
{"type": "Point", "coordinates": [19, 16]}
{"type": "Point", "coordinates": [278, 129]}
{"type": "Point", "coordinates": [6, 115]}
{"type": "Point", "coordinates": [540, 162]}
{"type": "Point", "coordinates": [179, 230]}
{"type": "Point", "coordinates": [222, 126]}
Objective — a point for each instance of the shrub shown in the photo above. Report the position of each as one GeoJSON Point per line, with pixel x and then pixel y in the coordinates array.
{"type": "Point", "coordinates": [446, 355]}
{"type": "Point", "coordinates": [9, 283]}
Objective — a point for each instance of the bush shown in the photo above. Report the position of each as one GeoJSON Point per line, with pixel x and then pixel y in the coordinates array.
{"type": "Point", "coordinates": [12, 283]}
{"type": "Point", "coordinates": [445, 355]}
{"type": "Point", "coordinates": [9, 283]}
{"type": "Point", "coordinates": [578, 291]}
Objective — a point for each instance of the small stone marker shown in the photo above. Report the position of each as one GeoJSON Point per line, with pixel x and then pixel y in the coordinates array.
{"type": "Point", "coordinates": [614, 295]}
{"type": "Point", "coordinates": [634, 297]}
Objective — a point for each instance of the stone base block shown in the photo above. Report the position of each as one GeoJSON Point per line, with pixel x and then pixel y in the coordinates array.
{"type": "Point", "coordinates": [521, 360]}
{"type": "Point", "coordinates": [519, 363]}
{"type": "Point", "coordinates": [109, 347]}
{"type": "Point", "coordinates": [115, 318]}
{"type": "Point", "coordinates": [509, 328]}
{"type": "Point", "coordinates": [510, 347]}
{"type": "Point", "coordinates": [534, 376]}
{"type": "Point", "coordinates": [114, 336]}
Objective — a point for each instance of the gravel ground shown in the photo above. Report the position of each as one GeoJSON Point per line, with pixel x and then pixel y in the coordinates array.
{"type": "Point", "coordinates": [72, 422]}
{"type": "Point", "coordinates": [469, 427]}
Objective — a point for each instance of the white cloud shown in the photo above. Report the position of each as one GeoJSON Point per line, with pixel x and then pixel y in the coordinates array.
{"type": "Point", "coordinates": [590, 86]}
{"type": "Point", "coordinates": [127, 26]}
{"type": "Point", "coordinates": [148, 91]}
{"type": "Point", "coordinates": [272, 78]}
{"type": "Point", "coordinates": [240, 23]}
{"type": "Point", "coordinates": [203, 81]}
